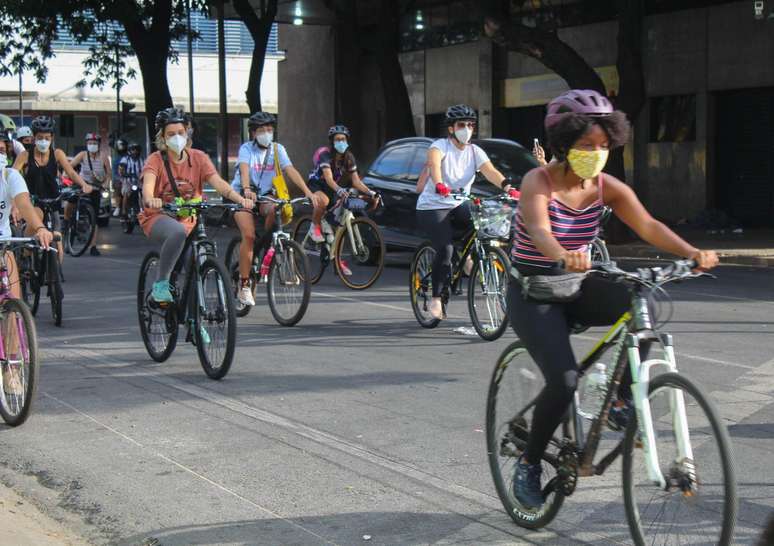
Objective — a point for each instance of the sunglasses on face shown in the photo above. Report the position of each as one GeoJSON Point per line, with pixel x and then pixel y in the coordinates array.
{"type": "Point", "coordinates": [461, 124]}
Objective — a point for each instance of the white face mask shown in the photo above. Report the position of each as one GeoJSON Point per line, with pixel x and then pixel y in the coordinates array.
{"type": "Point", "coordinates": [464, 134]}
{"type": "Point", "coordinates": [93, 148]}
{"type": "Point", "coordinates": [264, 139]}
{"type": "Point", "coordinates": [43, 145]}
{"type": "Point", "coordinates": [177, 143]}
{"type": "Point", "coordinates": [3, 160]}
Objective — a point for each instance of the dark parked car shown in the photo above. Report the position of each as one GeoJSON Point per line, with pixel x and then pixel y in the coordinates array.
{"type": "Point", "coordinates": [396, 169]}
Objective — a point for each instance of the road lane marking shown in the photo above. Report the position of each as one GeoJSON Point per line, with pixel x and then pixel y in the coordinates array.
{"type": "Point", "coordinates": [186, 469]}
{"type": "Point", "coordinates": [363, 302]}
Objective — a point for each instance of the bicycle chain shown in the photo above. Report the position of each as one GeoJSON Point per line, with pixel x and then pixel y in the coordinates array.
{"type": "Point", "coordinates": [567, 469]}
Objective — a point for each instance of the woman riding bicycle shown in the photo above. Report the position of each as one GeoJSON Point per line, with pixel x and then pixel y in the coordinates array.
{"type": "Point", "coordinates": [175, 174]}
{"type": "Point", "coordinates": [453, 162]}
{"type": "Point", "coordinates": [95, 168]}
{"type": "Point", "coordinates": [558, 217]}
{"type": "Point", "coordinates": [335, 166]}
{"type": "Point", "coordinates": [41, 168]}
{"type": "Point", "coordinates": [254, 177]}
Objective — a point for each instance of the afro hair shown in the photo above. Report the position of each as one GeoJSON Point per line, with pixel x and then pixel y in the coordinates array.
{"type": "Point", "coordinates": [567, 131]}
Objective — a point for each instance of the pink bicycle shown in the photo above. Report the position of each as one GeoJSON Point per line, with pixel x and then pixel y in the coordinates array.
{"type": "Point", "coordinates": [18, 341]}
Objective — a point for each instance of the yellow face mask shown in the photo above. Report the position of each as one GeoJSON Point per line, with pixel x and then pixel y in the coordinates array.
{"type": "Point", "coordinates": [587, 163]}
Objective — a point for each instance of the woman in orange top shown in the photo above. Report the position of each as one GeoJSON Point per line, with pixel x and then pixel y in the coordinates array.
{"type": "Point", "coordinates": [190, 169]}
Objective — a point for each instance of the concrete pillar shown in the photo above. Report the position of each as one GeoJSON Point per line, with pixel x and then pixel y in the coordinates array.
{"type": "Point", "coordinates": [485, 92]}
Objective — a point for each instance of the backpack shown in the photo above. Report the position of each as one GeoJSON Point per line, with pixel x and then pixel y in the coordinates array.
{"type": "Point", "coordinates": [316, 156]}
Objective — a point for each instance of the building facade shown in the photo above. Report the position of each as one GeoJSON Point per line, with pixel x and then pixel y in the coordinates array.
{"type": "Point", "coordinates": [703, 141]}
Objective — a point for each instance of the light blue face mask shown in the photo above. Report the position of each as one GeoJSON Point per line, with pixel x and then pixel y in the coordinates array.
{"type": "Point", "coordinates": [341, 146]}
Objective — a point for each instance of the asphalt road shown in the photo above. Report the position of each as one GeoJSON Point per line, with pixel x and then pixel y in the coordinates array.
{"type": "Point", "coordinates": [354, 427]}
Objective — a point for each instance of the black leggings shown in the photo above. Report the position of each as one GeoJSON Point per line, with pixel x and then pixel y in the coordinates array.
{"type": "Point", "coordinates": [544, 328]}
{"type": "Point", "coordinates": [439, 225]}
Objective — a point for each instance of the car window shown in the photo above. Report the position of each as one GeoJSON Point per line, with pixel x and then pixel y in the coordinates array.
{"type": "Point", "coordinates": [395, 162]}
{"type": "Point", "coordinates": [511, 160]}
{"type": "Point", "coordinates": [418, 163]}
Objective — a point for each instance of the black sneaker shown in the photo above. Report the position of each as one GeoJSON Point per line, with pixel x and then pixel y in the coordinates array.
{"type": "Point", "coordinates": [526, 485]}
{"type": "Point", "coordinates": [620, 414]}
{"type": "Point", "coordinates": [95, 251]}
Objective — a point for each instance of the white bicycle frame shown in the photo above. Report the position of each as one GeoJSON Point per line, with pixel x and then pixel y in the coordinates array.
{"type": "Point", "coordinates": [641, 373]}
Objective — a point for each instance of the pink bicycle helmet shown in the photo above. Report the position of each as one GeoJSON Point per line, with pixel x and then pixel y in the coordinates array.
{"type": "Point", "coordinates": [577, 101]}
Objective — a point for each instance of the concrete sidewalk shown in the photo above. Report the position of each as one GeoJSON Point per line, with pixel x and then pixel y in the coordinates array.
{"type": "Point", "coordinates": [752, 247]}
{"type": "Point", "coordinates": [22, 524]}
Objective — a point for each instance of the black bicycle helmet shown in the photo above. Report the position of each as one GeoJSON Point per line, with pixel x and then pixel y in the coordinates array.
{"type": "Point", "coordinates": [259, 119]}
{"type": "Point", "coordinates": [42, 124]}
{"type": "Point", "coordinates": [338, 130]}
{"type": "Point", "coordinates": [170, 115]}
{"type": "Point", "coordinates": [120, 145]}
{"type": "Point", "coordinates": [460, 112]}
{"type": "Point", "coordinates": [134, 146]}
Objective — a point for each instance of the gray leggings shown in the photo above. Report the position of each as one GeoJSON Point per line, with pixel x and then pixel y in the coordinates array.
{"type": "Point", "coordinates": [170, 235]}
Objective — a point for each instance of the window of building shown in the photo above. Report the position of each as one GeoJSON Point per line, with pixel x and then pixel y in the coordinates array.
{"type": "Point", "coordinates": [446, 24]}
{"type": "Point", "coordinates": [673, 118]}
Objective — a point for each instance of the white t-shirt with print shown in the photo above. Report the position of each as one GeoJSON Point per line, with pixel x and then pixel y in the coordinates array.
{"type": "Point", "coordinates": [260, 167]}
{"type": "Point", "coordinates": [458, 169]}
{"type": "Point", "coordinates": [11, 185]}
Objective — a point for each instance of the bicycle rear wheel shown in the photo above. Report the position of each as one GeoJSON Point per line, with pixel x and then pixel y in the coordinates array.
{"type": "Point", "coordinates": [158, 325]}
{"type": "Point", "coordinates": [699, 503]}
{"type": "Point", "coordinates": [81, 229]}
{"type": "Point", "coordinates": [515, 384]}
{"type": "Point", "coordinates": [54, 281]}
{"type": "Point", "coordinates": [288, 287]}
{"type": "Point", "coordinates": [488, 294]}
{"type": "Point", "coordinates": [232, 252]}
{"type": "Point", "coordinates": [316, 253]}
{"type": "Point", "coordinates": [20, 366]}
{"type": "Point", "coordinates": [365, 260]}
{"type": "Point", "coordinates": [421, 285]}
{"type": "Point", "coordinates": [215, 321]}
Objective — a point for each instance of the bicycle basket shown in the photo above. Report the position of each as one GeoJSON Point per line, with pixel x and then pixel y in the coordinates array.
{"type": "Point", "coordinates": [492, 218]}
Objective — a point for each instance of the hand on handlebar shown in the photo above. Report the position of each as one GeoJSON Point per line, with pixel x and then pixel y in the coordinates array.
{"type": "Point", "coordinates": [316, 200]}
{"type": "Point", "coordinates": [705, 259]}
{"type": "Point", "coordinates": [88, 188]}
{"type": "Point", "coordinates": [249, 194]}
{"type": "Point", "coordinates": [247, 202]}
{"type": "Point", "coordinates": [45, 237]}
{"type": "Point", "coordinates": [154, 203]}
{"type": "Point", "coordinates": [576, 261]}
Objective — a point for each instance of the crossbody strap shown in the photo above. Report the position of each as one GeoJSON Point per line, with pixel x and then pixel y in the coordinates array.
{"type": "Point", "coordinates": [172, 181]}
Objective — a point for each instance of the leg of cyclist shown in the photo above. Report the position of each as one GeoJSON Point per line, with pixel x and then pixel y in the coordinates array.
{"type": "Point", "coordinates": [317, 216]}
{"type": "Point", "coordinates": [438, 226]}
{"type": "Point", "coordinates": [245, 221]}
{"type": "Point", "coordinates": [544, 329]}
{"type": "Point", "coordinates": [267, 211]}
{"type": "Point", "coordinates": [170, 236]}
{"type": "Point", "coordinates": [95, 197]}
{"type": "Point", "coordinates": [12, 378]}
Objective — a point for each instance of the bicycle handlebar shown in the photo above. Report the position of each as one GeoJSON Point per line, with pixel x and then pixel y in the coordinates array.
{"type": "Point", "coordinates": [171, 207]}
{"type": "Point", "coordinates": [674, 271]}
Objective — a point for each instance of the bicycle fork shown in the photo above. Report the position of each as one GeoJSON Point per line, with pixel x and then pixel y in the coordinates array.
{"type": "Point", "coordinates": [640, 385]}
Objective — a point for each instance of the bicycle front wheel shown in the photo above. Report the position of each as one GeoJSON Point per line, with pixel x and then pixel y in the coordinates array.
{"type": "Point", "coordinates": [359, 254]}
{"type": "Point", "coordinates": [20, 366]}
{"type": "Point", "coordinates": [215, 321]}
{"type": "Point", "coordinates": [316, 253]}
{"type": "Point", "coordinates": [515, 384]}
{"type": "Point", "coordinates": [288, 286]}
{"type": "Point", "coordinates": [699, 503]}
{"type": "Point", "coordinates": [421, 285]}
{"type": "Point", "coordinates": [488, 294]}
{"type": "Point", "coordinates": [158, 325]}
{"type": "Point", "coordinates": [81, 230]}
{"type": "Point", "coordinates": [55, 293]}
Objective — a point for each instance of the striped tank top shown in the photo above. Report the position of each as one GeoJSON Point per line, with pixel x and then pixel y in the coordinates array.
{"type": "Point", "coordinates": [574, 229]}
{"type": "Point", "coordinates": [93, 170]}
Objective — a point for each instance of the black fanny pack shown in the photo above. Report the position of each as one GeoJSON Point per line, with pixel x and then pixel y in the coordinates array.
{"type": "Point", "coordinates": [550, 288]}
